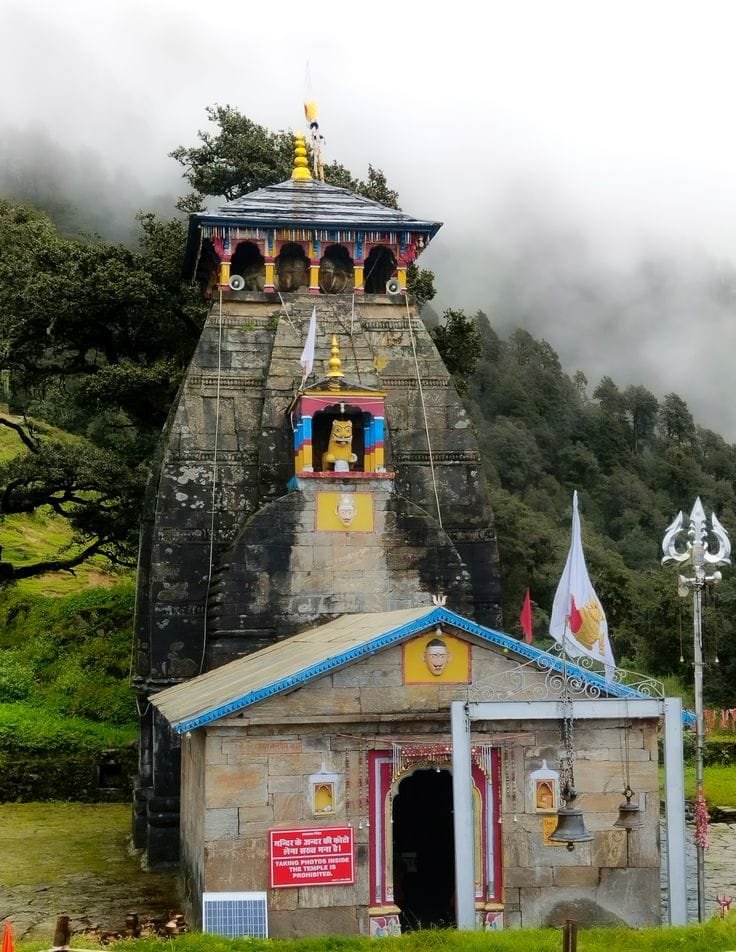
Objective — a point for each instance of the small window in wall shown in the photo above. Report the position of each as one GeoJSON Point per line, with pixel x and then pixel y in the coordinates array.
{"type": "Point", "coordinates": [380, 265]}
{"type": "Point", "coordinates": [292, 268]}
{"type": "Point", "coordinates": [336, 438]}
{"type": "Point", "coordinates": [336, 271]}
{"type": "Point", "coordinates": [249, 263]}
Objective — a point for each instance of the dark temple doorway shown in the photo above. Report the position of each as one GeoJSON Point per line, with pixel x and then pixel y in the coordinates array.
{"type": "Point", "coordinates": [423, 850]}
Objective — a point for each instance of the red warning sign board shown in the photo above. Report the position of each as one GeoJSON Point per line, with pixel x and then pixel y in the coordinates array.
{"type": "Point", "coordinates": [318, 857]}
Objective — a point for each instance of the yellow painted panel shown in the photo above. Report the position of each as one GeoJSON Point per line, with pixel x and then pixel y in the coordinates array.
{"type": "Point", "coordinates": [344, 512]}
{"type": "Point", "coordinates": [224, 272]}
{"type": "Point", "coordinates": [401, 274]}
{"type": "Point", "coordinates": [358, 276]}
{"type": "Point", "coordinates": [436, 658]}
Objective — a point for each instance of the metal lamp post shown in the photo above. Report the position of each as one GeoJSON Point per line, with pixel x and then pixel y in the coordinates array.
{"type": "Point", "coordinates": [697, 558]}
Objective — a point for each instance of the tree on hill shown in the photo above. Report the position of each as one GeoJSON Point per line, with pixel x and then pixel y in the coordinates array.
{"type": "Point", "coordinates": [636, 461]}
{"type": "Point", "coordinates": [94, 339]}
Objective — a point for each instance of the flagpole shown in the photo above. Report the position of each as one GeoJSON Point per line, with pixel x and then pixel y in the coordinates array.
{"type": "Point", "coordinates": [695, 557]}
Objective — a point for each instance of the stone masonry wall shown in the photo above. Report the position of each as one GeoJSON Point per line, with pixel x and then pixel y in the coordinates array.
{"type": "Point", "coordinates": [257, 767]}
{"type": "Point", "coordinates": [615, 878]}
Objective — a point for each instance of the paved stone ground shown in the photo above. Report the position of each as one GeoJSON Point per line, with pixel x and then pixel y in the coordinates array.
{"type": "Point", "coordinates": [720, 870]}
{"type": "Point", "coordinates": [75, 859]}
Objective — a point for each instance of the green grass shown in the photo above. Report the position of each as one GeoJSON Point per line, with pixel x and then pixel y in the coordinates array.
{"type": "Point", "coordinates": [31, 538]}
{"type": "Point", "coordinates": [33, 730]}
{"type": "Point", "coordinates": [715, 936]}
{"type": "Point", "coordinates": [719, 785]}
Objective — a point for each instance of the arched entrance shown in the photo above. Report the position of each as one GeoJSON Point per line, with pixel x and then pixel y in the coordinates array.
{"type": "Point", "coordinates": [423, 850]}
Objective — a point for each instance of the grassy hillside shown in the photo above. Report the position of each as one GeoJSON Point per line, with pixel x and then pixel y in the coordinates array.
{"type": "Point", "coordinates": [26, 539]}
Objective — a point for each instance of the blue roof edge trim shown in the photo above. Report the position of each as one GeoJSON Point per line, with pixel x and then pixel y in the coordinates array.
{"type": "Point", "coordinates": [394, 635]}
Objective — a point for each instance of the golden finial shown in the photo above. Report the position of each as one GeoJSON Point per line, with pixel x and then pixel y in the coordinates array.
{"type": "Point", "coordinates": [334, 363]}
{"type": "Point", "coordinates": [301, 166]}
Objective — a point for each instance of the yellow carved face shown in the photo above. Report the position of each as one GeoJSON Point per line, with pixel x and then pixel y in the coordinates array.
{"type": "Point", "coordinates": [342, 431]}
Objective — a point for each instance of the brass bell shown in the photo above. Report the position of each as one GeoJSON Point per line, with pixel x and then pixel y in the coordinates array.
{"type": "Point", "coordinates": [629, 814]}
{"type": "Point", "coordinates": [570, 827]}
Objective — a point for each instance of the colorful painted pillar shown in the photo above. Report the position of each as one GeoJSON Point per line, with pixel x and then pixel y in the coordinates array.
{"type": "Point", "coordinates": [306, 450]}
{"type": "Point", "coordinates": [359, 268]}
{"type": "Point", "coordinates": [369, 440]}
{"type": "Point", "coordinates": [223, 248]}
{"type": "Point", "coordinates": [378, 432]}
{"type": "Point", "coordinates": [315, 253]}
{"type": "Point", "coordinates": [268, 255]}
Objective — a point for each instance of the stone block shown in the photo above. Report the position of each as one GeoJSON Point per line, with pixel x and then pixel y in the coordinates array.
{"type": "Point", "coordinates": [320, 897]}
{"type": "Point", "coordinates": [289, 807]}
{"type": "Point", "coordinates": [632, 894]}
{"type": "Point", "coordinates": [249, 750]}
{"type": "Point", "coordinates": [332, 920]}
{"type": "Point", "coordinates": [280, 900]}
{"type": "Point", "coordinates": [221, 824]}
{"type": "Point", "coordinates": [235, 865]}
{"type": "Point", "coordinates": [576, 876]}
{"type": "Point", "coordinates": [255, 821]}
{"type": "Point", "coordinates": [294, 765]}
{"type": "Point", "coordinates": [317, 698]}
{"type": "Point", "coordinates": [524, 876]}
{"type": "Point", "coordinates": [236, 786]}
{"type": "Point", "coordinates": [213, 751]}
{"type": "Point", "coordinates": [424, 697]}
{"type": "Point", "coordinates": [319, 742]}
{"type": "Point", "coordinates": [609, 849]}
{"type": "Point", "coordinates": [286, 783]}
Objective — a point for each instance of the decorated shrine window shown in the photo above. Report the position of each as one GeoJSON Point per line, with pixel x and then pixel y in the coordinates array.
{"type": "Point", "coordinates": [339, 434]}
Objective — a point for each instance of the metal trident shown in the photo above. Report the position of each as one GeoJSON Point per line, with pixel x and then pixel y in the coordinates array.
{"type": "Point", "coordinates": [697, 549]}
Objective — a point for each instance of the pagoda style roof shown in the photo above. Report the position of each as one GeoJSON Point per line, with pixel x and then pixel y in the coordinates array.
{"type": "Point", "coordinates": [313, 204]}
{"type": "Point", "coordinates": [297, 660]}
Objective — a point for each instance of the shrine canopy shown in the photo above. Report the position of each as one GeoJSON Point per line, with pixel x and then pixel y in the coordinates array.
{"type": "Point", "coordinates": [302, 658]}
{"type": "Point", "coordinates": [303, 234]}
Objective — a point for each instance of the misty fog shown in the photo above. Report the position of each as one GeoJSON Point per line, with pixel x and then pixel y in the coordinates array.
{"type": "Point", "coordinates": [580, 155]}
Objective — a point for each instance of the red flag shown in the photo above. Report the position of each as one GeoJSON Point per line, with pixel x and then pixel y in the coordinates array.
{"type": "Point", "coordinates": [525, 618]}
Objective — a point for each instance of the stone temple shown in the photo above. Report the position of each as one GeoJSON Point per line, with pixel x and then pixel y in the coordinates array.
{"type": "Point", "coordinates": [335, 736]}
{"type": "Point", "coordinates": [234, 554]}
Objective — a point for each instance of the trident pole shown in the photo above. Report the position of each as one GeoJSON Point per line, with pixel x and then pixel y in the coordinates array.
{"type": "Point", "coordinates": [695, 557]}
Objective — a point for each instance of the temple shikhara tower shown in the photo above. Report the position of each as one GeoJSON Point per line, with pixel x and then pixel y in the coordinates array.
{"type": "Point", "coordinates": [318, 585]}
{"type": "Point", "coordinates": [253, 533]}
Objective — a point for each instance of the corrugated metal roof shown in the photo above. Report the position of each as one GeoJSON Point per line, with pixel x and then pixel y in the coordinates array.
{"type": "Point", "coordinates": [281, 662]}
{"type": "Point", "coordinates": [313, 204]}
{"type": "Point", "coordinates": [299, 659]}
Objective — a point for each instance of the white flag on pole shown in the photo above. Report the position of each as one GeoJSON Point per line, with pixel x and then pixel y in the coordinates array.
{"type": "Point", "coordinates": [578, 621]}
{"type": "Point", "coordinates": [307, 357]}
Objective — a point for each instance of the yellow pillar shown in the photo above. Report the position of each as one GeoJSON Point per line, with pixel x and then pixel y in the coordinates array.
{"type": "Point", "coordinates": [401, 274]}
{"type": "Point", "coordinates": [224, 273]}
{"type": "Point", "coordinates": [269, 276]}
{"type": "Point", "coordinates": [359, 278]}
{"type": "Point", "coordinates": [314, 278]}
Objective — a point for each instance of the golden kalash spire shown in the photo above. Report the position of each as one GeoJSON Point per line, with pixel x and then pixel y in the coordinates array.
{"type": "Point", "coordinates": [334, 363]}
{"type": "Point", "coordinates": [301, 166]}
